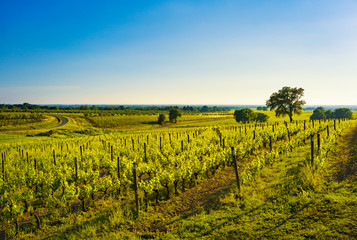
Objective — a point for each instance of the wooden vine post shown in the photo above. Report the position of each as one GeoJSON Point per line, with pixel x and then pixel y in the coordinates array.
{"type": "Point", "coordinates": [3, 166]}
{"type": "Point", "coordinates": [318, 143]}
{"type": "Point", "coordinates": [111, 153]}
{"type": "Point", "coordinates": [54, 157]}
{"type": "Point", "coordinates": [35, 164]}
{"type": "Point", "coordinates": [76, 169]}
{"type": "Point", "coordinates": [312, 150]}
{"type": "Point", "coordinates": [328, 131]}
{"type": "Point", "coordinates": [235, 168]}
{"type": "Point", "coordinates": [145, 154]}
{"type": "Point", "coordinates": [270, 144]}
{"type": "Point", "coordinates": [136, 190]}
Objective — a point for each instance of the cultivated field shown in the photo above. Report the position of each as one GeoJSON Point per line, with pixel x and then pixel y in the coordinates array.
{"type": "Point", "coordinates": [127, 177]}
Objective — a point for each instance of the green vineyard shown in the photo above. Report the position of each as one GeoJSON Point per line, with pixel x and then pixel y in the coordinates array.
{"type": "Point", "coordinates": [44, 179]}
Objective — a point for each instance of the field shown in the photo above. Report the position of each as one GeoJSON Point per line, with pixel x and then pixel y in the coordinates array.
{"type": "Point", "coordinates": [76, 181]}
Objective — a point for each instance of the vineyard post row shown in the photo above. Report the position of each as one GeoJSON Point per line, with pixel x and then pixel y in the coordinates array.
{"type": "Point", "coordinates": [119, 169]}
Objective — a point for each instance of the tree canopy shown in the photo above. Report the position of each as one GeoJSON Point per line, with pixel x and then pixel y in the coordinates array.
{"type": "Point", "coordinates": [246, 115]}
{"type": "Point", "coordinates": [174, 114]}
{"type": "Point", "coordinates": [286, 101]}
{"type": "Point", "coordinates": [161, 119]}
{"type": "Point", "coordinates": [321, 113]}
{"type": "Point", "coordinates": [342, 113]}
{"type": "Point", "coordinates": [261, 117]}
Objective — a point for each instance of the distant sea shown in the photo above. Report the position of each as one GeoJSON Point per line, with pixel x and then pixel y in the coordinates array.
{"type": "Point", "coordinates": [306, 107]}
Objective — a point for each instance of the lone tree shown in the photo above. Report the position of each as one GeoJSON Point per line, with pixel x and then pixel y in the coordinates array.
{"type": "Point", "coordinates": [161, 119]}
{"type": "Point", "coordinates": [174, 114]}
{"type": "Point", "coordinates": [286, 102]}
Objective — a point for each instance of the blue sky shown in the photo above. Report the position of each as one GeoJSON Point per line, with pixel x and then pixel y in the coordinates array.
{"type": "Point", "coordinates": [177, 52]}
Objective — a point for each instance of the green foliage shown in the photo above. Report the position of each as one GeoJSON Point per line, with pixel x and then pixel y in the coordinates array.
{"type": "Point", "coordinates": [261, 117]}
{"type": "Point", "coordinates": [319, 113]}
{"type": "Point", "coordinates": [329, 114]}
{"type": "Point", "coordinates": [161, 119]}
{"type": "Point", "coordinates": [343, 113]}
{"type": "Point", "coordinates": [247, 115]}
{"type": "Point", "coordinates": [11, 118]}
{"type": "Point", "coordinates": [286, 101]}
{"type": "Point", "coordinates": [339, 113]}
{"type": "Point", "coordinates": [174, 114]}
{"type": "Point", "coordinates": [244, 115]}
{"type": "Point", "coordinates": [97, 172]}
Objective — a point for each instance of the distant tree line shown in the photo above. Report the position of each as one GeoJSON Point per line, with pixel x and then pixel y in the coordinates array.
{"type": "Point", "coordinates": [338, 113]}
{"type": "Point", "coordinates": [262, 108]}
{"type": "Point", "coordinates": [122, 109]}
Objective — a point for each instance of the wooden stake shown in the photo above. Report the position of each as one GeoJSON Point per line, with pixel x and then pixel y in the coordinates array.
{"type": "Point", "coordinates": [235, 168]}
{"type": "Point", "coordinates": [136, 191]}
{"type": "Point", "coordinates": [76, 168]}
{"type": "Point", "coordinates": [54, 157]}
{"type": "Point", "coordinates": [270, 144]}
{"type": "Point", "coordinates": [3, 166]}
{"type": "Point", "coordinates": [312, 150]}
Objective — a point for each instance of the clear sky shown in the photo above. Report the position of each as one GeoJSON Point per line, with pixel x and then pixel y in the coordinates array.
{"type": "Point", "coordinates": [177, 52]}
